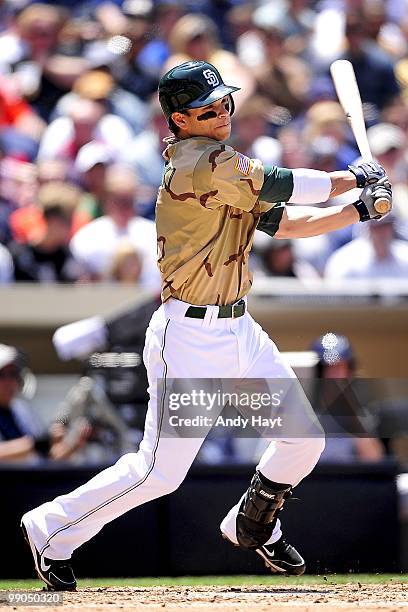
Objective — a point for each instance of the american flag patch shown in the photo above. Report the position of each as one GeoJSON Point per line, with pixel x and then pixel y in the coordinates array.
{"type": "Point", "coordinates": [243, 164]}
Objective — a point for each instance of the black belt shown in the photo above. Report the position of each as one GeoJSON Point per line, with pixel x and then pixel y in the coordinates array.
{"type": "Point", "coordinates": [231, 311]}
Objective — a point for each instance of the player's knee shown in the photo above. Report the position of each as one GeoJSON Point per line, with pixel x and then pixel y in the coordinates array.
{"type": "Point", "coordinates": [160, 480]}
{"type": "Point", "coordinates": [170, 487]}
{"type": "Point", "coordinates": [168, 481]}
{"type": "Point", "coordinates": [322, 444]}
{"type": "Point", "coordinates": [310, 450]}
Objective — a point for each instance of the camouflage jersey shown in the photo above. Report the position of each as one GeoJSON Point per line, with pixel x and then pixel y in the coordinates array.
{"type": "Point", "coordinates": [207, 210]}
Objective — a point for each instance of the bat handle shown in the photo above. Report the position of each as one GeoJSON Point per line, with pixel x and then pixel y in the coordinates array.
{"type": "Point", "coordinates": [382, 205]}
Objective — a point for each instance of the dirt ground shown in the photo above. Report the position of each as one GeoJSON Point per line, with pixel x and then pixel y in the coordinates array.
{"type": "Point", "coordinates": [326, 598]}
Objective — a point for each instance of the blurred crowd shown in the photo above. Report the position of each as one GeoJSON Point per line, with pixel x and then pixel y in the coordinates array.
{"type": "Point", "coordinates": [81, 131]}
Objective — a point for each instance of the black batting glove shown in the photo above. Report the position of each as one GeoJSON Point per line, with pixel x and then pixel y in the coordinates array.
{"type": "Point", "coordinates": [371, 193]}
{"type": "Point", "coordinates": [367, 173]}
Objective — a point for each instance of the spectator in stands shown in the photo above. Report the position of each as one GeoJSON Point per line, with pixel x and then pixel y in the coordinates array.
{"type": "Point", "coordinates": [22, 436]}
{"type": "Point", "coordinates": [108, 17]}
{"type": "Point", "coordinates": [278, 259]}
{"type": "Point", "coordinates": [126, 265]}
{"type": "Point", "coordinates": [326, 118]}
{"type": "Point", "coordinates": [113, 350]}
{"type": "Point", "coordinates": [294, 21]}
{"type": "Point", "coordinates": [89, 429]}
{"type": "Point", "coordinates": [91, 164]}
{"type": "Point", "coordinates": [87, 120]}
{"type": "Point", "coordinates": [94, 245]}
{"type": "Point", "coordinates": [155, 53]}
{"type": "Point", "coordinates": [194, 37]}
{"type": "Point", "coordinates": [31, 51]}
{"type": "Point", "coordinates": [20, 432]}
{"type": "Point", "coordinates": [337, 405]}
{"type": "Point", "coordinates": [374, 71]}
{"type": "Point", "coordinates": [295, 153]}
{"type": "Point", "coordinates": [130, 30]}
{"type": "Point", "coordinates": [323, 153]}
{"type": "Point", "coordinates": [18, 145]}
{"type": "Point", "coordinates": [388, 144]}
{"type": "Point", "coordinates": [375, 254]}
{"type": "Point", "coordinates": [133, 76]}
{"type": "Point", "coordinates": [15, 112]}
{"type": "Point", "coordinates": [6, 266]}
{"type": "Point", "coordinates": [144, 156]}
{"type": "Point", "coordinates": [52, 170]}
{"type": "Point", "coordinates": [374, 16]}
{"type": "Point", "coordinates": [6, 13]}
{"type": "Point", "coordinates": [281, 77]}
{"type": "Point", "coordinates": [325, 141]}
{"type": "Point", "coordinates": [18, 192]}
{"type": "Point", "coordinates": [46, 257]}
{"type": "Point", "coordinates": [298, 22]}
{"type": "Point", "coordinates": [242, 35]}
{"type": "Point", "coordinates": [251, 129]}
{"type": "Point", "coordinates": [18, 184]}
{"type": "Point", "coordinates": [99, 85]}
{"type": "Point", "coordinates": [24, 439]}
{"type": "Point", "coordinates": [324, 146]}
{"type": "Point", "coordinates": [401, 73]}
{"type": "Point", "coordinates": [396, 112]}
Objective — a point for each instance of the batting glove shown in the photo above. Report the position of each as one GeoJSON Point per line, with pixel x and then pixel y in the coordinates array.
{"type": "Point", "coordinates": [367, 173]}
{"type": "Point", "coordinates": [371, 193]}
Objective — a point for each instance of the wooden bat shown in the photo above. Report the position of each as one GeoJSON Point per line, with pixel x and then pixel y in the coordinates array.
{"type": "Point", "coordinates": [344, 80]}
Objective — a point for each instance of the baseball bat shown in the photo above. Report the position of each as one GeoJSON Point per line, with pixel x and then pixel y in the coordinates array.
{"type": "Point", "coordinates": [344, 80]}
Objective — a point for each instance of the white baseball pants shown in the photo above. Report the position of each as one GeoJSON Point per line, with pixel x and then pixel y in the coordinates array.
{"type": "Point", "coordinates": [176, 347]}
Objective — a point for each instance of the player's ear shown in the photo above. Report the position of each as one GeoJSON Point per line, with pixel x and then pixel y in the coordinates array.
{"type": "Point", "coordinates": [180, 120]}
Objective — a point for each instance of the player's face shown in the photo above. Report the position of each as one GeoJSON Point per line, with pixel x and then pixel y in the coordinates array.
{"type": "Point", "coordinates": [337, 370]}
{"type": "Point", "coordinates": [212, 121]}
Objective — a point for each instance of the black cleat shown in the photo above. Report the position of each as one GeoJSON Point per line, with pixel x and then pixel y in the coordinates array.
{"type": "Point", "coordinates": [57, 575]}
{"type": "Point", "coordinates": [282, 558]}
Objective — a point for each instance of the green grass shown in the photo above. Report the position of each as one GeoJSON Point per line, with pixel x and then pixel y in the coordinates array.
{"type": "Point", "coordinates": [219, 581]}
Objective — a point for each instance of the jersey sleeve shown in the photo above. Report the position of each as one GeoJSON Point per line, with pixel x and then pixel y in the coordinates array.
{"type": "Point", "coordinates": [270, 219]}
{"type": "Point", "coordinates": [277, 185]}
{"type": "Point", "coordinates": [224, 177]}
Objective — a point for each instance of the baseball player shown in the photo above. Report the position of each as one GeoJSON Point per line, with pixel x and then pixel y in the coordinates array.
{"type": "Point", "coordinates": [210, 202]}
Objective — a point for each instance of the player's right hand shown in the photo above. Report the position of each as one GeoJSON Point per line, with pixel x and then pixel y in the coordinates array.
{"type": "Point", "coordinates": [367, 173]}
{"type": "Point", "coordinates": [366, 204]}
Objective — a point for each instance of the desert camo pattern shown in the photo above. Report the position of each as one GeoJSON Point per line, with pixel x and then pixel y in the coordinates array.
{"type": "Point", "coordinates": [207, 211]}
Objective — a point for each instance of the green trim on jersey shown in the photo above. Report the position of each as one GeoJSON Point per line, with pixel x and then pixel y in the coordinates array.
{"type": "Point", "coordinates": [269, 221]}
{"type": "Point", "coordinates": [277, 185]}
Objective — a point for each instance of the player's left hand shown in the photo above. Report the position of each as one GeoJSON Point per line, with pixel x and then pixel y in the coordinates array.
{"type": "Point", "coordinates": [367, 173]}
{"type": "Point", "coordinates": [366, 204]}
